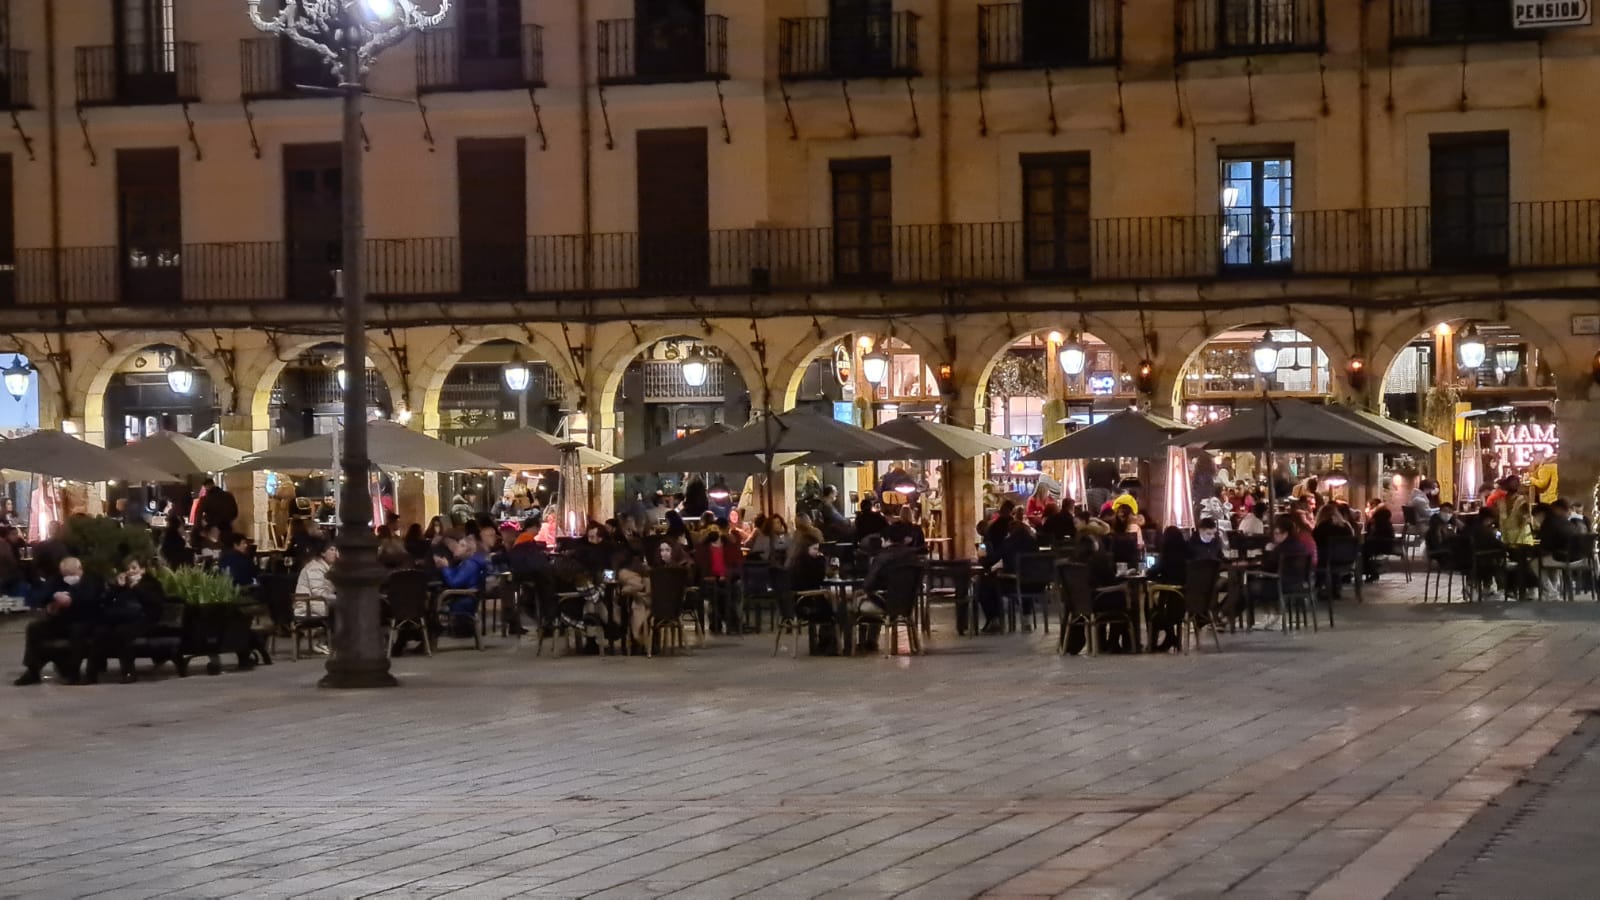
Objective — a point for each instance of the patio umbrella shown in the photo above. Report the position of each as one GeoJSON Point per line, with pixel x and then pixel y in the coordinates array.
{"type": "Point", "coordinates": [767, 440]}
{"type": "Point", "coordinates": [928, 440]}
{"type": "Point", "coordinates": [530, 448]}
{"type": "Point", "coordinates": [1128, 434]}
{"type": "Point", "coordinates": [665, 458]}
{"type": "Point", "coordinates": [58, 455]}
{"type": "Point", "coordinates": [181, 454]}
{"type": "Point", "coordinates": [1413, 437]}
{"type": "Point", "coordinates": [392, 447]}
{"type": "Point", "coordinates": [1292, 425]}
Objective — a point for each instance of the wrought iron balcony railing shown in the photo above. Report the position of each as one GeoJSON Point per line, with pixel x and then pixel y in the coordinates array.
{"type": "Point", "coordinates": [1453, 22]}
{"type": "Point", "coordinates": [14, 80]}
{"type": "Point", "coordinates": [450, 59]}
{"type": "Point", "coordinates": [1214, 28]}
{"type": "Point", "coordinates": [874, 45]}
{"type": "Point", "coordinates": [273, 68]}
{"type": "Point", "coordinates": [633, 52]}
{"type": "Point", "coordinates": [130, 76]}
{"type": "Point", "coordinates": [1319, 243]}
{"type": "Point", "coordinates": [1087, 33]}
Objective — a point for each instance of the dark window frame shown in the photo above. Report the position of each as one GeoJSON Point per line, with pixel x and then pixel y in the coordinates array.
{"type": "Point", "coordinates": [861, 253]}
{"type": "Point", "coordinates": [1069, 242]}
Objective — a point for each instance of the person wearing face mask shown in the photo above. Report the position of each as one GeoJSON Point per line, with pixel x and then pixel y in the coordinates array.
{"type": "Point", "coordinates": [71, 605]}
{"type": "Point", "coordinates": [1440, 538]}
{"type": "Point", "coordinates": [132, 609]}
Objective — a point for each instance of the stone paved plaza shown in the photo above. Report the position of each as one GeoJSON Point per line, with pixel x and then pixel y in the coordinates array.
{"type": "Point", "coordinates": [1326, 765]}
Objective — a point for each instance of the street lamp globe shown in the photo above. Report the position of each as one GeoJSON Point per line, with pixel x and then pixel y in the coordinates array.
{"type": "Point", "coordinates": [17, 376]}
{"type": "Point", "coordinates": [1265, 357]}
{"type": "Point", "coordinates": [1072, 357]}
{"type": "Point", "coordinates": [696, 368]}
{"type": "Point", "coordinates": [875, 365]}
{"type": "Point", "coordinates": [1472, 350]}
{"type": "Point", "coordinates": [517, 374]}
{"type": "Point", "coordinates": [380, 9]}
{"type": "Point", "coordinates": [180, 379]}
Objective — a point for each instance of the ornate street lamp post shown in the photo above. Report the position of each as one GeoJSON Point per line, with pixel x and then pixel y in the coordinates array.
{"type": "Point", "coordinates": [349, 35]}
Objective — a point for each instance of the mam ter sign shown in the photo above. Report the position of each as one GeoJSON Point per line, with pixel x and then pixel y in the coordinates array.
{"type": "Point", "coordinates": [1517, 446]}
{"type": "Point", "coordinates": [1552, 13]}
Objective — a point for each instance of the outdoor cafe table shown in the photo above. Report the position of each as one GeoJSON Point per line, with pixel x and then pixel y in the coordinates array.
{"type": "Point", "coordinates": [1137, 583]}
{"type": "Point", "coordinates": [844, 591]}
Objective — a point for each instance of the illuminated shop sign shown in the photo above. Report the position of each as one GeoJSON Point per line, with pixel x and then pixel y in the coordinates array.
{"type": "Point", "coordinates": [1517, 446]}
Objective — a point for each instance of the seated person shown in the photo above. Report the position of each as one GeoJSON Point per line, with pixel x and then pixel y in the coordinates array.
{"type": "Point", "coordinates": [1379, 539]}
{"type": "Point", "coordinates": [238, 562]}
{"type": "Point", "coordinates": [71, 608]}
{"type": "Point", "coordinates": [133, 608]}
{"type": "Point", "coordinates": [905, 531]}
{"type": "Point", "coordinates": [1439, 540]}
{"type": "Point", "coordinates": [1060, 526]}
{"type": "Point", "coordinates": [465, 570]}
{"type": "Point", "coordinates": [1108, 598]}
{"type": "Point", "coordinates": [313, 580]}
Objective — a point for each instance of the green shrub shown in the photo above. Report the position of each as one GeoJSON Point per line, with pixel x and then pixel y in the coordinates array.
{"type": "Point", "coordinates": [103, 544]}
{"type": "Point", "coordinates": [196, 586]}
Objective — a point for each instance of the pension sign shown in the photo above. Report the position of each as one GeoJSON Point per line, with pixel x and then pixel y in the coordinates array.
{"type": "Point", "coordinates": [1552, 13]}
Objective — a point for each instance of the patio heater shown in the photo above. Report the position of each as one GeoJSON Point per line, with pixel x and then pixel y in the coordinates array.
{"type": "Point", "coordinates": [349, 35]}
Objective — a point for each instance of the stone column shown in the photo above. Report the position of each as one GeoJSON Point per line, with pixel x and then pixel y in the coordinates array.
{"type": "Point", "coordinates": [963, 478]}
{"type": "Point", "coordinates": [248, 488]}
{"type": "Point", "coordinates": [1578, 464]}
{"type": "Point", "coordinates": [1444, 459]}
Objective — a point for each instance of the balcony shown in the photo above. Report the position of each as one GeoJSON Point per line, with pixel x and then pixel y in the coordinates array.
{"type": "Point", "coordinates": [444, 63]}
{"type": "Point", "coordinates": [869, 46]}
{"type": "Point", "coordinates": [1413, 22]}
{"type": "Point", "coordinates": [629, 54]}
{"type": "Point", "coordinates": [1089, 35]}
{"type": "Point", "coordinates": [1208, 29]}
{"type": "Point", "coordinates": [1405, 241]}
{"type": "Point", "coordinates": [14, 80]}
{"type": "Point", "coordinates": [271, 68]}
{"type": "Point", "coordinates": [121, 76]}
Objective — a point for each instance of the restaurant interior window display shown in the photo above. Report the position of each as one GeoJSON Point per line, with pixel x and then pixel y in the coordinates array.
{"type": "Point", "coordinates": [1017, 392]}
{"type": "Point", "coordinates": [1224, 374]}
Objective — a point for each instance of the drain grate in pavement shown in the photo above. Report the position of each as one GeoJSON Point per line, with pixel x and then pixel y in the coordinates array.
{"type": "Point", "coordinates": [1537, 836]}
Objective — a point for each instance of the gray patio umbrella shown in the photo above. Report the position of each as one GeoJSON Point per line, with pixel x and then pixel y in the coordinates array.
{"type": "Point", "coordinates": [58, 455]}
{"type": "Point", "coordinates": [666, 458]}
{"type": "Point", "coordinates": [1129, 434]}
{"type": "Point", "coordinates": [530, 448]}
{"type": "Point", "coordinates": [767, 440]}
{"type": "Point", "coordinates": [928, 440]}
{"type": "Point", "coordinates": [1413, 437]}
{"type": "Point", "coordinates": [180, 454]}
{"type": "Point", "coordinates": [391, 447]}
{"type": "Point", "coordinates": [1293, 425]}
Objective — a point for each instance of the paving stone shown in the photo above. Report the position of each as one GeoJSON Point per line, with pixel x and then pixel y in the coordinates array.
{"type": "Point", "coordinates": [1287, 766]}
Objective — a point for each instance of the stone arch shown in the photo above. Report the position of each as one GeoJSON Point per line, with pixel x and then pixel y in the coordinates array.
{"type": "Point", "coordinates": [791, 368]}
{"type": "Point", "coordinates": [94, 379]}
{"type": "Point", "coordinates": [273, 359]}
{"type": "Point", "coordinates": [1386, 347]}
{"type": "Point", "coordinates": [610, 365]}
{"type": "Point", "coordinates": [1197, 336]}
{"type": "Point", "coordinates": [994, 345]}
{"type": "Point", "coordinates": [428, 378]}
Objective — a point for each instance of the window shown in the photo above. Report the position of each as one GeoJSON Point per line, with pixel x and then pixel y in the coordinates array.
{"type": "Point", "coordinates": [863, 231]}
{"type": "Point", "coordinates": [491, 29]}
{"type": "Point", "coordinates": [1259, 23]}
{"type": "Point", "coordinates": [146, 37]}
{"type": "Point", "coordinates": [1471, 199]}
{"type": "Point", "coordinates": [1468, 19]}
{"type": "Point", "coordinates": [861, 36]}
{"type": "Point", "coordinates": [1257, 208]}
{"type": "Point", "coordinates": [1055, 32]}
{"type": "Point", "coordinates": [149, 225]}
{"type": "Point", "coordinates": [1055, 213]}
{"type": "Point", "coordinates": [670, 38]}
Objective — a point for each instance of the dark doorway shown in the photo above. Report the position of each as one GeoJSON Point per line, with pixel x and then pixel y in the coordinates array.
{"type": "Point", "coordinates": [863, 223]}
{"type": "Point", "coordinates": [670, 38]}
{"type": "Point", "coordinates": [493, 207]}
{"type": "Point", "coordinates": [1055, 32]}
{"type": "Point", "coordinates": [149, 229]}
{"type": "Point", "coordinates": [861, 36]}
{"type": "Point", "coordinates": [1471, 193]}
{"type": "Point", "coordinates": [674, 209]}
{"type": "Point", "coordinates": [313, 219]}
{"type": "Point", "coordinates": [491, 43]}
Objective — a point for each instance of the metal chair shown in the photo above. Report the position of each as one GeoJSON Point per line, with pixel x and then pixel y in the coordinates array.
{"type": "Point", "coordinates": [668, 587]}
{"type": "Point", "coordinates": [1078, 606]}
{"type": "Point", "coordinates": [1034, 577]}
{"type": "Point", "coordinates": [1296, 592]}
{"type": "Point", "coordinates": [760, 593]}
{"type": "Point", "coordinates": [474, 613]}
{"type": "Point", "coordinates": [902, 590]}
{"type": "Point", "coordinates": [1341, 558]}
{"type": "Point", "coordinates": [1199, 597]}
{"type": "Point", "coordinates": [405, 593]}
